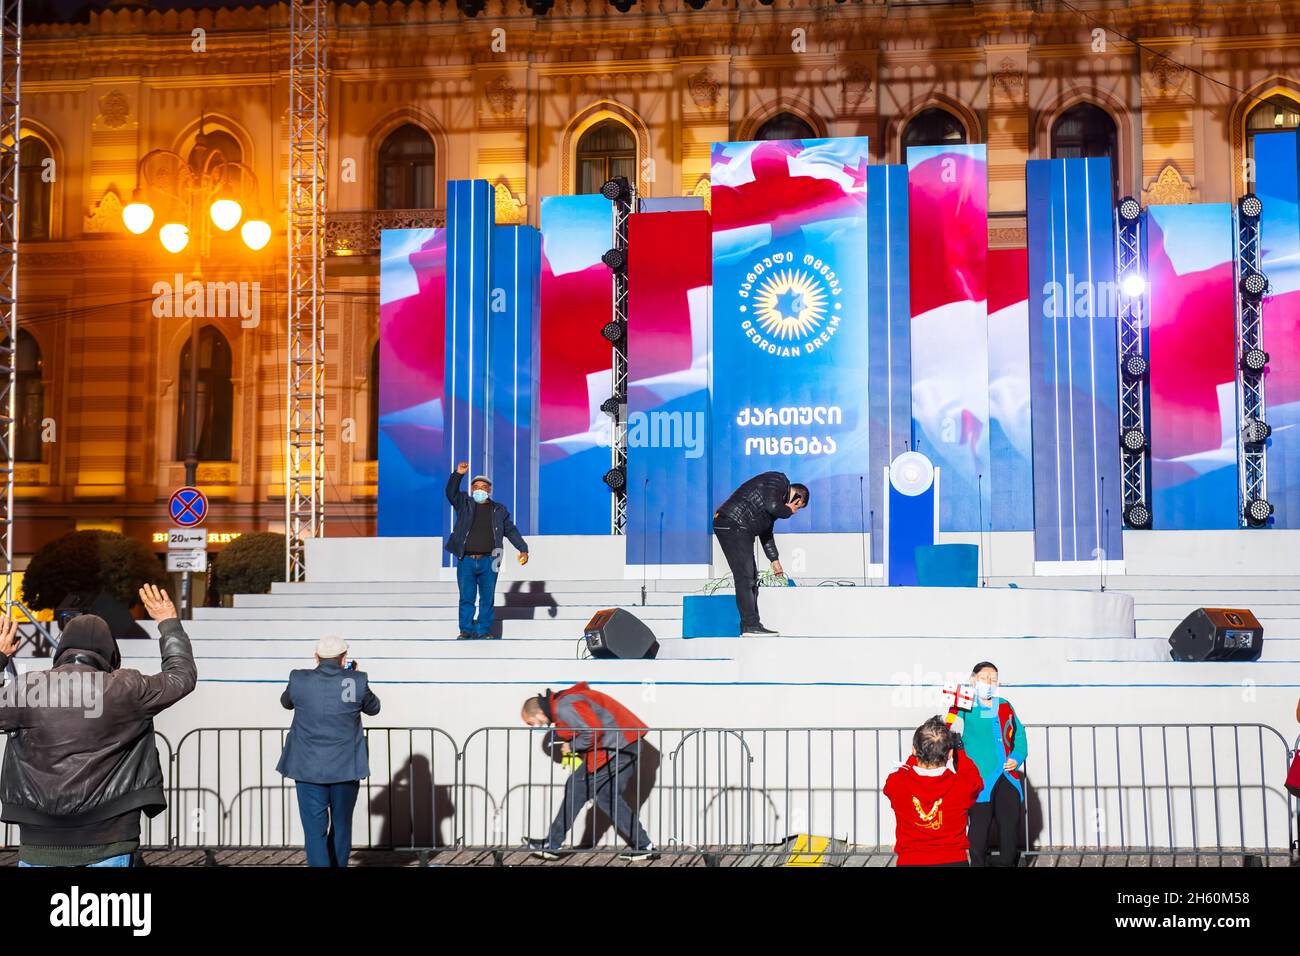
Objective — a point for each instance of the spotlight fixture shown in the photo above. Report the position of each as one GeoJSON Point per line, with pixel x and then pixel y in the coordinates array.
{"type": "Point", "coordinates": [617, 189]}
{"type": "Point", "coordinates": [1133, 285]}
{"type": "Point", "coordinates": [622, 6]}
{"type": "Point", "coordinates": [1134, 441]}
{"type": "Point", "coordinates": [611, 405]}
{"type": "Point", "coordinates": [616, 259]}
{"type": "Point", "coordinates": [540, 8]}
{"type": "Point", "coordinates": [471, 8]}
{"type": "Point", "coordinates": [697, 4]}
{"type": "Point", "coordinates": [616, 478]}
{"type": "Point", "coordinates": [1135, 366]}
{"type": "Point", "coordinates": [1253, 360]}
{"type": "Point", "coordinates": [1255, 431]}
{"type": "Point", "coordinates": [1258, 511]}
{"type": "Point", "coordinates": [613, 331]}
{"type": "Point", "coordinates": [1253, 285]}
{"type": "Point", "coordinates": [1129, 209]}
{"type": "Point", "coordinates": [1249, 206]}
{"type": "Point", "coordinates": [1137, 515]}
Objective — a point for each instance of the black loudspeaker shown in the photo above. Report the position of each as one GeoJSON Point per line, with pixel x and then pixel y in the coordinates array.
{"type": "Point", "coordinates": [615, 632]}
{"type": "Point", "coordinates": [1217, 634]}
{"type": "Point", "coordinates": [118, 617]}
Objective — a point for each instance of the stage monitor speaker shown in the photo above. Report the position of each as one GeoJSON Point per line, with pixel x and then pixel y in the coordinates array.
{"type": "Point", "coordinates": [118, 617]}
{"type": "Point", "coordinates": [616, 633]}
{"type": "Point", "coordinates": [1217, 634]}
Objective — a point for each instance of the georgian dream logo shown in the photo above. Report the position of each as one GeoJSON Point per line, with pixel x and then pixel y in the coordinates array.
{"type": "Point", "coordinates": [789, 309]}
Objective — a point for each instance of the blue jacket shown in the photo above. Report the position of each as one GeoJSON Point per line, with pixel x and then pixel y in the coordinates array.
{"type": "Point", "coordinates": [326, 743]}
{"type": "Point", "coordinates": [502, 526]}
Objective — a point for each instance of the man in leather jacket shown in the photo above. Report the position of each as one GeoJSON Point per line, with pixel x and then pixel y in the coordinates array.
{"type": "Point", "coordinates": [750, 513]}
{"type": "Point", "coordinates": [80, 763]}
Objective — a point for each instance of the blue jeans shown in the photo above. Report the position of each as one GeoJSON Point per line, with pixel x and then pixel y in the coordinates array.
{"type": "Point", "coordinates": [122, 860]}
{"type": "Point", "coordinates": [477, 577]}
{"type": "Point", "coordinates": [326, 812]}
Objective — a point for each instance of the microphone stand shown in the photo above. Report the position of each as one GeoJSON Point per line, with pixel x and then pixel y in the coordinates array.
{"type": "Point", "coordinates": [862, 512]}
{"type": "Point", "coordinates": [645, 534]}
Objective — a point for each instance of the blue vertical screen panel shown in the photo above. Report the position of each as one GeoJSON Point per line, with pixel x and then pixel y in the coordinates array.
{"type": "Point", "coordinates": [1074, 361]}
{"type": "Point", "coordinates": [889, 322]}
{"type": "Point", "coordinates": [514, 312]}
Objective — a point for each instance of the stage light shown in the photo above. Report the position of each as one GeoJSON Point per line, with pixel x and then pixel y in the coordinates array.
{"type": "Point", "coordinates": [1137, 515]}
{"type": "Point", "coordinates": [1249, 206]}
{"type": "Point", "coordinates": [613, 331]}
{"type": "Point", "coordinates": [174, 236]}
{"type": "Point", "coordinates": [1135, 366]}
{"type": "Point", "coordinates": [611, 405]}
{"type": "Point", "coordinates": [616, 478]}
{"type": "Point", "coordinates": [1254, 360]}
{"type": "Point", "coordinates": [1133, 285]}
{"type": "Point", "coordinates": [540, 8]}
{"type": "Point", "coordinates": [616, 259]}
{"type": "Point", "coordinates": [697, 4]}
{"type": "Point", "coordinates": [1129, 209]}
{"type": "Point", "coordinates": [226, 214]}
{"type": "Point", "coordinates": [471, 8]}
{"type": "Point", "coordinates": [1134, 441]}
{"type": "Point", "coordinates": [617, 189]}
{"type": "Point", "coordinates": [622, 6]}
{"type": "Point", "coordinates": [1258, 511]}
{"type": "Point", "coordinates": [138, 215]}
{"type": "Point", "coordinates": [1253, 285]}
{"type": "Point", "coordinates": [1255, 431]}
{"type": "Point", "coordinates": [255, 233]}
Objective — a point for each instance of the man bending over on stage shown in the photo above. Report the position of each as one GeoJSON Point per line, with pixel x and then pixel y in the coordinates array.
{"type": "Point", "coordinates": [932, 794]}
{"type": "Point", "coordinates": [607, 736]}
{"type": "Point", "coordinates": [750, 513]}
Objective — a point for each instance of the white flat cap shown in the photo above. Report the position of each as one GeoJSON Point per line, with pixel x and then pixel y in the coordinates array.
{"type": "Point", "coordinates": [328, 647]}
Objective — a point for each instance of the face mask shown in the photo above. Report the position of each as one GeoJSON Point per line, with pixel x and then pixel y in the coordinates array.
{"type": "Point", "coordinates": [480, 495]}
{"type": "Point", "coordinates": [985, 691]}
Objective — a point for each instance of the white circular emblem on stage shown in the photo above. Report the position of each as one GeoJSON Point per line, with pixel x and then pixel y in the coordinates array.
{"type": "Point", "coordinates": [911, 473]}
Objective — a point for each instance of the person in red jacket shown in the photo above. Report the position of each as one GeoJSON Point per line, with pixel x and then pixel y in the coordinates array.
{"type": "Point", "coordinates": [931, 794]}
{"type": "Point", "coordinates": [608, 737]}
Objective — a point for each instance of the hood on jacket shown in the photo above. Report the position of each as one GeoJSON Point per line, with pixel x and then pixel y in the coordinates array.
{"type": "Point", "coordinates": [89, 635]}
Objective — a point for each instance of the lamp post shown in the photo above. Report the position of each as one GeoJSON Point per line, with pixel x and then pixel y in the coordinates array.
{"type": "Point", "coordinates": [196, 195]}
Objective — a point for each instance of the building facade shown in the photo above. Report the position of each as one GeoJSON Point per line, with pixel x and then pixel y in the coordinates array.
{"type": "Point", "coordinates": [419, 93]}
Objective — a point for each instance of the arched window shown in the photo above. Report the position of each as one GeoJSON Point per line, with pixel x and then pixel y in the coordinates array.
{"type": "Point", "coordinates": [1276, 114]}
{"type": "Point", "coordinates": [214, 141]}
{"type": "Point", "coordinates": [406, 166]}
{"type": "Point", "coordinates": [933, 127]}
{"type": "Point", "coordinates": [785, 126]}
{"type": "Point", "coordinates": [1083, 131]}
{"type": "Point", "coordinates": [216, 399]}
{"type": "Point", "coordinates": [29, 398]}
{"type": "Point", "coordinates": [35, 189]}
{"type": "Point", "coordinates": [606, 150]}
{"type": "Point", "coordinates": [372, 438]}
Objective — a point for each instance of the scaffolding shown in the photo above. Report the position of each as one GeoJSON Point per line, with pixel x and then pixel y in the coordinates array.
{"type": "Point", "coordinates": [11, 41]}
{"type": "Point", "coordinates": [1132, 359]}
{"type": "Point", "coordinates": [1252, 431]}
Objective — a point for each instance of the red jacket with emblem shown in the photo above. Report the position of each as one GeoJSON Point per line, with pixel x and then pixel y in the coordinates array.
{"type": "Point", "coordinates": [931, 812]}
{"type": "Point", "coordinates": [594, 724]}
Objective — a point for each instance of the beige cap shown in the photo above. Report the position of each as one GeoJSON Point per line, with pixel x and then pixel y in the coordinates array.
{"type": "Point", "coordinates": [330, 647]}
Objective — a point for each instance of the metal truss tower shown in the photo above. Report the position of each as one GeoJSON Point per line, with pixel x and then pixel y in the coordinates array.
{"type": "Point", "coordinates": [1129, 222]}
{"type": "Point", "coordinates": [1253, 429]}
{"type": "Point", "coordinates": [11, 41]}
{"type": "Point", "coordinates": [304, 480]}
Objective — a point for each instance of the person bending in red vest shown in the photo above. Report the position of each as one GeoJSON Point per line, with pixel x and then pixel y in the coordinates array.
{"type": "Point", "coordinates": [607, 736]}
{"type": "Point", "coordinates": [932, 794]}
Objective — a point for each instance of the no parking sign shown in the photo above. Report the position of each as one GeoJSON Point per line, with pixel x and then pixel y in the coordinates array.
{"type": "Point", "coordinates": [188, 507]}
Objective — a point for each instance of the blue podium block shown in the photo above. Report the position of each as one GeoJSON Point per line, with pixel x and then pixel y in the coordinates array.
{"type": "Point", "coordinates": [710, 615]}
{"type": "Point", "coordinates": [947, 566]}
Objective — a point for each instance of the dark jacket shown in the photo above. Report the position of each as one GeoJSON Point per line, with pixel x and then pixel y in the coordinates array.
{"type": "Point", "coordinates": [502, 526]}
{"type": "Point", "coordinates": [755, 506]}
{"type": "Point", "coordinates": [594, 724]}
{"type": "Point", "coordinates": [92, 758]}
{"type": "Point", "coordinates": [326, 743]}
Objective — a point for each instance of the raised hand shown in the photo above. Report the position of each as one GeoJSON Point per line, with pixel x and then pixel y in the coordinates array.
{"type": "Point", "coordinates": [157, 603]}
{"type": "Point", "coordinates": [462, 468]}
{"type": "Point", "coordinates": [9, 639]}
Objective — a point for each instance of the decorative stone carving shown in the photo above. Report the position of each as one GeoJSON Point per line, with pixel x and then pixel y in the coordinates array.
{"type": "Point", "coordinates": [1169, 188]}
{"type": "Point", "coordinates": [357, 233]}
{"type": "Point", "coordinates": [704, 189]}
{"type": "Point", "coordinates": [1009, 81]}
{"type": "Point", "coordinates": [509, 210]}
{"type": "Point", "coordinates": [106, 216]}
{"type": "Point", "coordinates": [501, 95]}
{"type": "Point", "coordinates": [705, 89]}
{"type": "Point", "coordinates": [1008, 237]}
{"type": "Point", "coordinates": [1166, 76]}
{"type": "Point", "coordinates": [114, 109]}
{"type": "Point", "coordinates": [215, 473]}
{"type": "Point", "coordinates": [855, 86]}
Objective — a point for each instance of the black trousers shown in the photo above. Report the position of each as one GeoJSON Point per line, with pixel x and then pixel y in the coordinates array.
{"type": "Point", "coordinates": [605, 787]}
{"type": "Point", "coordinates": [1004, 806]}
{"type": "Point", "coordinates": [738, 548]}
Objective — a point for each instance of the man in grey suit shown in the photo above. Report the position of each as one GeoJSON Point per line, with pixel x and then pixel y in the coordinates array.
{"type": "Point", "coordinates": [325, 752]}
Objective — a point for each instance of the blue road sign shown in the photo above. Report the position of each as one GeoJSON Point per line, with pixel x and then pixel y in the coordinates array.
{"type": "Point", "coordinates": [188, 507]}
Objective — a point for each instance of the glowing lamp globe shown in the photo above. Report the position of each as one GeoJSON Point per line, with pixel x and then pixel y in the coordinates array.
{"type": "Point", "coordinates": [255, 233]}
{"type": "Point", "coordinates": [226, 214]}
{"type": "Point", "coordinates": [174, 236]}
{"type": "Point", "coordinates": [137, 217]}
